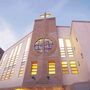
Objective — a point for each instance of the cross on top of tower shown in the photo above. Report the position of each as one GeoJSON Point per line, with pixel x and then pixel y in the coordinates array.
{"type": "Point", "coordinates": [45, 15]}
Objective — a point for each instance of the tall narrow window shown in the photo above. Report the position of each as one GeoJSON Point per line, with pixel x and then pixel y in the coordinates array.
{"type": "Point", "coordinates": [21, 71]}
{"type": "Point", "coordinates": [24, 58]}
{"type": "Point", "coordinates": [69, 48]}
{"type": "Point", "coordinates": [7, 69]}
{"type": "Point", "coordinates": [62, 47]}
{"type": "Point", "coordinates": [51, 67]}
{"type": "Point", "coordinates": [34, 68]}
{"type": "Point", "coordinates": [73, 66]}
{"type": "Point", "coordinates": [28, 44]}
{"type": "Point", "coordinates": [11, 63]}
{"type": "Point", "coordinates": [68, 43]}
{"type": "Point", "coordinates": [64, 65]}
{"type": "Point", "coordinates": [19, 49]}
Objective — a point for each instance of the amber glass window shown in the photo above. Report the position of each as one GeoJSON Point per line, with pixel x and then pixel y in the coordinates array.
{"type": "Point", "coordinates": [34, 67]}
{"type": "Point", "coordinates": [73, 66]}
{"type": "Point", "coordinates": [51, 66]}
{"type": "Point", "coordinates": [64, 65]}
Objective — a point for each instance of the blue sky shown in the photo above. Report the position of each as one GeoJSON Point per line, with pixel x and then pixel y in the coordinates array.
{"type": "Point", "coordinates": [17, 16]}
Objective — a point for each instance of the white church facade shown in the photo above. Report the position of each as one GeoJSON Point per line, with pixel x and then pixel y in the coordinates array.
{"type": "Point", "coordinates": [51, 57]}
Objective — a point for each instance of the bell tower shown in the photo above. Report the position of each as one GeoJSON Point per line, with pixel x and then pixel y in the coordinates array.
{"type": "Point", "coordinates": [44, 52]}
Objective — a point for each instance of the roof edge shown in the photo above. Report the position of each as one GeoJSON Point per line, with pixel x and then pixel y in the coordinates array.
{"type": "Point", "coordinates": [64, 26]}
{"type": "Point", "coordinates": [81, 21]}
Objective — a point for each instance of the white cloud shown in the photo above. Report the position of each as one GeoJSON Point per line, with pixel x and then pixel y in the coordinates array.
{"type": "Point", "coordinates": [7, 36]}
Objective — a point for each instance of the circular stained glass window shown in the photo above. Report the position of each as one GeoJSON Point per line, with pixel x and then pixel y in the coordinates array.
{"type": "Point", "coordinates": [43, 45]}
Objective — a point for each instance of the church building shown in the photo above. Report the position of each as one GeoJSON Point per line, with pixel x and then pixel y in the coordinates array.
{"type": "Point", "coordinates": [51, 57]}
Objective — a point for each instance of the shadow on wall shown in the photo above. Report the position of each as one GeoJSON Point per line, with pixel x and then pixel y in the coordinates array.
{"type": "Point", "coordinates": [81, 86]}
{"type": "Point", "coordinates": [1, 53]}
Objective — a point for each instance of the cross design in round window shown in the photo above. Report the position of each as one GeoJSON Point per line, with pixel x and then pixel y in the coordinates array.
{"type": "Point", "coordinates": [43, 45]}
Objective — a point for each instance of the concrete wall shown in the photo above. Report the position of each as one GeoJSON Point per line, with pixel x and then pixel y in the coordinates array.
{"type": "Point", "coordinates": [80, 37]}
{"type": "Point", "coordinates": [63, 31]}
{"type": "Point", "coordinates": [82, 76]}
{"type": "Point", "coordinates": [68, 79]}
